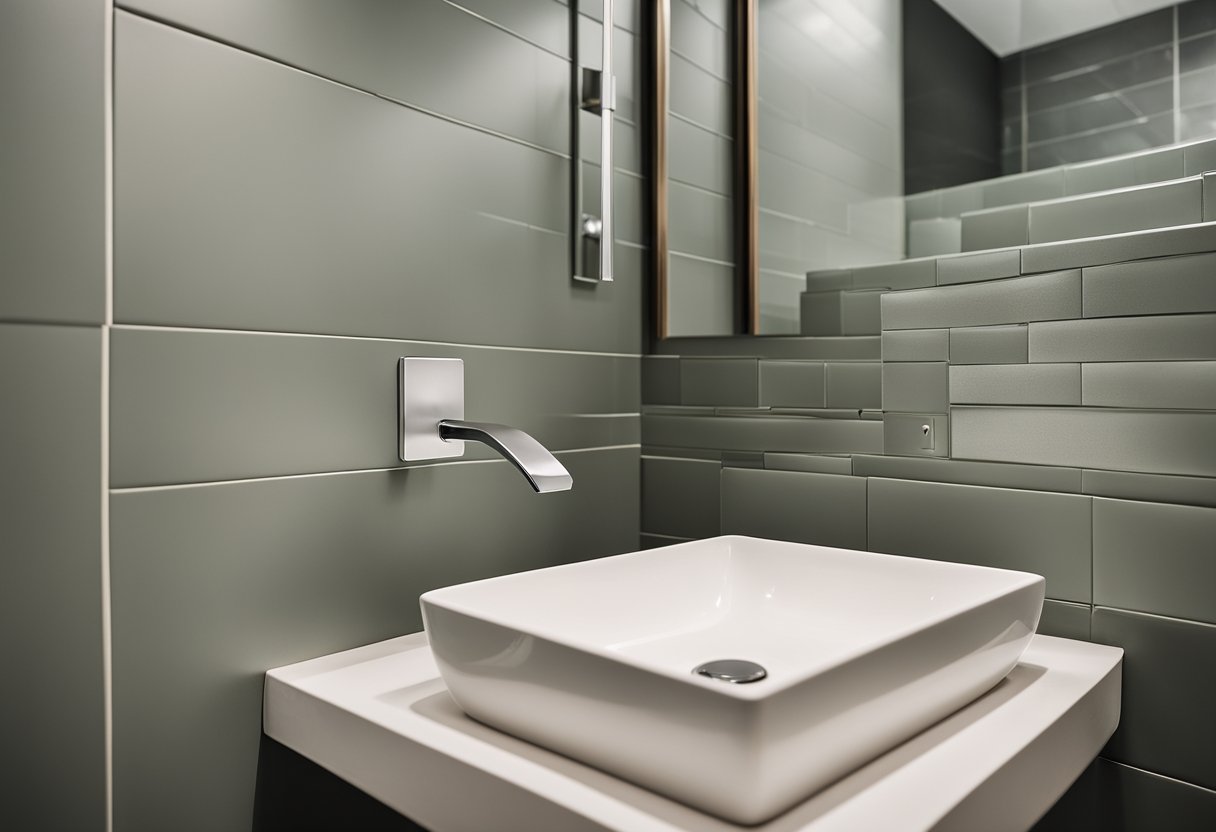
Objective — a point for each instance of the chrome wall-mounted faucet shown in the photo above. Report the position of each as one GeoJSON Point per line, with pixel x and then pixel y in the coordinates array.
{"type": "Point", "coordinates": [430, 424]}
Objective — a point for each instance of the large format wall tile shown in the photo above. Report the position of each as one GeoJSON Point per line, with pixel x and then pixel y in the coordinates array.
{"type": "Point", "coordinates": [53, 716]}
{"type": "Point", "coordinates": [1155, 558]}
{"type": "Point", "coordinates": [1149, 384]}
{"type": "Point", "coordinates": [1118, 248]}
{"type": "Point", "coordinates": [1150, 338]}
{"type": "Point", "coordinates": [1016, 384]}
{"type": "Point", "coordinates": [764, 433]}
{"type": "Point", "coordinates": [1041, 297]}
{"type": "Point", "coordinates": [825, 509]}
{"type": "Point", "coordinates": [1153, 442]}
{"type": "Point", "coordinates": [680, 497]}
{"type": "Point", "coordinates": [308, 207]}
{"type": "Point", "coordinates": [1150, 287]}
{"type": "Point", "coordinates": [1150, 206]}
{"type": "Point", "coordinates": [1110, 797]}
{"type": "Point", "coordinates": [212, 585]}
{"type": "Point", "coordinates": [52, 161]}
{"type": "Point", "coordinates": [1027, 530]}
{"type": "Point", "coordinates": [197, 406]}
{"type": "Point", "coordinates": [1169, 672]}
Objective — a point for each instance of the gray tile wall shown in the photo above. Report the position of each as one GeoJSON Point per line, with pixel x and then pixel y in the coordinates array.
{"type": "Point", "coordinates": [1140, 83]}
{"type": "Point", "coordinates": [303, 193]}
{"type": "Point", "coordinates": [1049, 408]}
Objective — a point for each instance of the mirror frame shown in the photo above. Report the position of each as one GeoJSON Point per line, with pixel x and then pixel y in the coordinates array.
{"type": "Point", "coordinates": [745, 201]}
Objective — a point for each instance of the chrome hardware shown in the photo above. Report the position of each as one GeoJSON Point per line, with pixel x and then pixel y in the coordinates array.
{"type": "Point", "coordinates": [734, 671]}
{"type": "Point", "coordinates": [595, 92]}
{"type": "Point", "coordinates": [430, 424]}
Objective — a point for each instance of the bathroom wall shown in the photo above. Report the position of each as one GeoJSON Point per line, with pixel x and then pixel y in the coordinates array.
{"type": "Point", "coordinates": [1140, 83]}
{"type": "Point", "coordinates": [303, 192]}
{"type": "Point", "coordinates": [829, 146]}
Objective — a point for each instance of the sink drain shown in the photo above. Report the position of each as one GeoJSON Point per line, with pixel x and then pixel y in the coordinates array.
{"type": "Point", "coordinates": [735, 671]}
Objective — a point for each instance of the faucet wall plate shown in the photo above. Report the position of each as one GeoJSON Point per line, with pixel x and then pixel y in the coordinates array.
{"type": "Point", "coordinates": [428, 391]}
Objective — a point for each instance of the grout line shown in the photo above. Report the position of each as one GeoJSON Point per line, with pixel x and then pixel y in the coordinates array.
{"type": "Point", "coordinates": [140, 489]}
{"type": "Point", "coordinates": [107, 630]}
{"type": "Point", "coordinates": [402, 341]}
{"type": "Point", "coordinates": [1158, 616]}
{"type": "Point", "coordinates": [1162, 776]}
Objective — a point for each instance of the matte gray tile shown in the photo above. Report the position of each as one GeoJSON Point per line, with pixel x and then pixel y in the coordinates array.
{"type": "Point", "coordinates": [743, 459]}
{"type": "Point", "coordinates": [1160, 165]}
{"type": "Point", "coordinates": [1153, 442]}
{"type": "Point", "coordinates": [916, 345]}
{"type": "Point", "coordinates": [813, 463]}
{"type": "Point", "coordinates": [827, 280]}
{"type": "Point", "coordinates": [700, 297]}
{"type": "Point", "coordinates": [905, 434]}
{"type": "Point", "coordinates": [1056, 384]}
{"type": "Point", "coordinates": [989, 345]}
{"type": "Point", "coordinates": [930, 237]}
{"type": "Point", "coordinates": [1065, 620]}
{"type": "Point", "coordinates": [212, 585]}
{"type": "Point", "coordinates": [660, 380]}
{"type": "Point", "coordinates": [1102, 175]}
{"type": "Point", "coordinates": [962, 198]}
{"type": "Point", "coordinates": [995, 474]}
{"type": "Point", "coordinates": [1200, 157]}
{"type": "Point", "coordinates": [822, 509]}
{"type": "Point", "coordinates": [985, 265]}
{"type": "Point", "coordinates": [1155, 558]}
{"type": "Point", "coordinates": [860, 313]}
{"type": "Point", "coordinates": [1195, 18]}
{"type": "Point", "coordinates": [1151, 287]}
{"type": "Point", "coordinates": [719, 381]}
{"type": "Point", "coordinates": [1040, 297]}
{"type": "Point", "coordinates": [704, 158]}
{"type": "Point", "coordinates": [1160, 205]}
{"type": "Point", "coordinates": [680, 497]}
{"type": "Point", "coordinates": [1166, 724]}
{"type": "Point", "coordinates": [655, 541]}
{"type": "Point", "coordinates": [1028, 187]}
{"type": "Point", "coordinates": [856, 385]}
{"type": "Point", "coordinates": [393, 49]}
{"type": "Point", "coordinates": [297, 182]}
{"type": "Point", "coordinates": [792, 383]}
{"type": "Point", "coordinates": [193, 407]}
{"type": "Point", "coordinates": [916, 387]}
{"type": "Point", "coordinates": [1045, 533]}
{"type": "Point", "coordinates": [50, 578]}
{"type": "Point", "coordinates": [1117, 248]}
{"type": "Point", "coordinates": [1209, 197]}
{"type": "Point", "coordinates": [1158, 488]}
{"type": "Point", "coordinates": [53, 162]}
{"type": "Point", "coordinates": [996, 228]}
{"type": "Point", "coordinates": [848, 347]}
{"type": "Point", "coordinates": [1187, 385]}
{"type": "Point", "coordinates": [821, 313]}
{"type": "Point", "coordinates": [904, 274]}
{"type": "Point", "coordinates": [1110, 796]}
{"type": "Point", "coordinates": [763, 433]}
{"type": "Point", "coordinates": [700, 223]}
{"type": "Point", "coordinates": [1158, 338]}
{"type": "Point", "coordinates": [923, 206]}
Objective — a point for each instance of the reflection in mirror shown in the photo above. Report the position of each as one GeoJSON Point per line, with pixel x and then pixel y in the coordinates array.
{"type": "Point", "coordinates": [870, 131]}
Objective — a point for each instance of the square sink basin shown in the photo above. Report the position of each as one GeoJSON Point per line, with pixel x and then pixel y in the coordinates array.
{"type": "Point", "coordinates": [832, 657]}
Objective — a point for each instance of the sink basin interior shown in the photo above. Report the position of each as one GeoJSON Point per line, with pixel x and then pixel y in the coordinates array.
{"type": "Point", "coordinates": [668, 610]}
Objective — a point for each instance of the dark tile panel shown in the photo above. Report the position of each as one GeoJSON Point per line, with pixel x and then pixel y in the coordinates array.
{"type": "Point", "coordinates": [823, 509]}
{"type": "Point", "coordinates": [660, 380]}
{"type": "Point", "coordinates": [398, 50]}
{"type": "Point", "coordinates": [1110, 797]}
{"type": "Point", "coordinates": [53, 716]}
{"type": "Point", "coordinates": [1167, 723]}
{"type": "Point", "coordinates": [1118, 248]}
{"type": "Point", "coordinates": [194, 407]}
{"type": "Point", "coordinates": [1153, 442]}
{"type": "Point", "coordinates": [1065, 620]}
{"type": "Point", "coordinates": [1155, 558]}
{"type": "Point", "coordinates": [1107, 43]}
{"type": "Point", "coordinates": [1152, 131]}
{"type": "Point", "coordinates": [1102, 111]}
{"type": "Point", "coordinates": [962, 472]}
{"type": "Point", "coordinates": [1157, 488]}
{"type": "Point", "coordinates": [52, 161]}
{"type": "Point", "coordinates": [1040, 297]}
{"type": "Point", "coordinates": [1151, 287]}
{"type": "Point", "coordinates": [680, 497]}
{"type": "Point", "coordinates": [1197, 53]}
{"type": "Point", "coordinates": [654, 541]}
{"type": "Point", "coordinates": [213, 585]}
{"type": "Point", "coordinates": [1196, 17]}
{"type": "Point", "coordinates": [1151, 64]}
{"type": "Point", "coordinates": [1040, 532]}
{"type": "Point", "coordinates": [313, 208]}
{"type": "Point", "coordinates": [763, 433]}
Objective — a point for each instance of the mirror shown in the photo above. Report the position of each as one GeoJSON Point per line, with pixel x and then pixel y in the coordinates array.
{"type": "Point", "coordinates": [810, 135]}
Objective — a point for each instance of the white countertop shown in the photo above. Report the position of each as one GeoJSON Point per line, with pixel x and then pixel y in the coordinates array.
{"type": "Point", "coordinates": [380, 718]}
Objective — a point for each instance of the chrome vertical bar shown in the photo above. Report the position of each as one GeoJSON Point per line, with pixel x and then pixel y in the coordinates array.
{"type": "Point", "coordinates": [607, 109]}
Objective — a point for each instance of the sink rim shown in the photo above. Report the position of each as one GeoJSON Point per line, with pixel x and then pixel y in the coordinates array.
{"type": "Point", "coordinates": [770, 687]}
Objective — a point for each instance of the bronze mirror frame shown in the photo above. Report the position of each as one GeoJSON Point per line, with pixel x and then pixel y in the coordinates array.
{"type": "Point", "coordinates": [743, 79]}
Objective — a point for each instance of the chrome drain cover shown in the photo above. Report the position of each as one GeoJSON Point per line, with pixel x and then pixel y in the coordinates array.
{"type": "Point", "coordinates": [735, 671]}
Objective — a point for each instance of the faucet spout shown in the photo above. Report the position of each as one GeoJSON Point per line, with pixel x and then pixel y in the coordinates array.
{"type": "Point", "coordinates": [542, 470]}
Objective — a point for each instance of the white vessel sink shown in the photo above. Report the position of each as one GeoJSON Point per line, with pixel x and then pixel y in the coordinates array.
{"type": "Point", "coordinates": [595, 660]}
